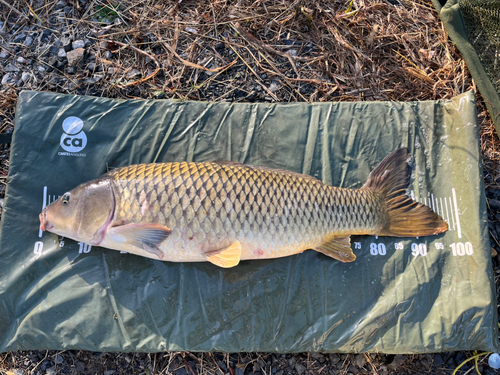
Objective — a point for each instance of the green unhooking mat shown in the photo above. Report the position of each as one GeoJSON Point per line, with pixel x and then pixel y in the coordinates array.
{"type": "Point", "coordinates": [401, 295]}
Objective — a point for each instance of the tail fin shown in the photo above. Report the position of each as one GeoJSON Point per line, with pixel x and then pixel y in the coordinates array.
{"type": "Point", "coordinates": [405, 217]}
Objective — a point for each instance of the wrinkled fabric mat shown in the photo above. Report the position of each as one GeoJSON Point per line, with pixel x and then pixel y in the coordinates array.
{"type": "Point", "coordinates": [399, 296]}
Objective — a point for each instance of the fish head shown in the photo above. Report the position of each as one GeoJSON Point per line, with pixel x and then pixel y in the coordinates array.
{"type": "Point", "coordinates": [82, 214]}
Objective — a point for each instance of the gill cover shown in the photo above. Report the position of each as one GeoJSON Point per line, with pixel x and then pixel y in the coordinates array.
{"type": "Point", "coordinates": [83, 213]}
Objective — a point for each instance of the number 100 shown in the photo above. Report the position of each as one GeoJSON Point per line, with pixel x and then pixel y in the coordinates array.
{"type": "Point", "coordinates": [460, 249]}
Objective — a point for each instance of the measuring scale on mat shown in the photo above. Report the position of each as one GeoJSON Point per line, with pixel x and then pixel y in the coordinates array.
{"type": "Point", "coordinates": [446, 206]}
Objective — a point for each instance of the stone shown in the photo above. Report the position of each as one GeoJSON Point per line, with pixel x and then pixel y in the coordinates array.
{"type": "Point", "coordinates": [91, 66]}
{"type": "Point", "coordinates": [8, 79]}
{"type": "Point", "coordinates": [360, 360]}
{"type": "Point", "coordinates": [21, 60]}
{"type": "Point", "coordinates": [103, 44]}
{"type": "Point", "coordinates": [10, 68]}
{"type": "Point", "coordinates": [78, 44]}
{"type": "Point", "coordinates": [108, 54]}
{"type": "Point", "coordinates": [292, 361]}
{"type": "Point", "coordinates": [41, 68]}
{"type": "Point", "coordinates": [334, 358]}
{"type": "Point", "coordinates": [53, 61]}
{"type": "Point", "coordinates": [398, 361]}
{"type": "Point", "coordinates": [181, 371]}
{"type": "Point", "coordinates": [28, 42]}
{"type": "Point", "coordinates": [438, 360]}
{"type": "Point", "coordinates": [51, 371]}
{"type": "Point", "coordinates": [352, 369]}
{"type": "Point", "coordinates": [53, 49]}
{"type": "Point", "coordinates": [61, 52]}
{"type": "Point", "coordinates": [239, 371]}
{"type": "Point", "coordinates": [60, 65]}
{"type": "Point", "coordinates": [300, 368]}
{"type": "Point", "coordinates": [66, 43]}
{"type": "Point", "coordinates": [25, 76]}
{"type": "Point", "coordinates": [19, 38]}
{"type": "Point", "coordinates": [71, 70]}
{"type": "Point", "coordinates": [494, 204]}
{"type": "Point", "coordinates": [75, 56]}
{"type": "Point", "coordinates": [59, 359]}
{"type": "Point", "coordinates": [80, 366]}
{"type": "Point", "coordinates": [46, 33]}
{"type": "Point", "coordinates": [109, 372]}
{"type": "Point", "coordinates": [68, 10]}
{"type": "Point", "coordinates": [3, 55]}
{"type": "Point", "coordinates": [317, 355]}
{"type": "Point", "coordinates": [222, 365]}
{"type": "Point", "coordinates": [60, 5]}
{"type": "Point", "coordinates": [45, 364]}
{"type": "Point", "coordinates": [133, 73]}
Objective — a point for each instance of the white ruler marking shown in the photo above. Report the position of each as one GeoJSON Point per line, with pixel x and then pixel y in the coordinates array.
{"type": "Point", "coordinates": [442, 209]}
{"type": "Point", "coordinates": [452, 216]}
{"type": "Point", "coordinates": [459, 229]}
{"type": "Point", "coordinates": [44, 204]}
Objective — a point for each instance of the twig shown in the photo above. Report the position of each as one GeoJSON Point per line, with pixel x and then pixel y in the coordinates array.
{"type": "Point", "coordinates": [142, 52]}
{"type": "Point", "coordinates": [371, 364]}
{"type": "Point", "coordinates": [38, 364]}
{"type": "Point", "coordinates": [197, 66]}
{"type": "Point", "coordinates": [253, 40]}
{"type": "Point", "coordinates": [187, 364]}
{"type": "Point", "coordinates": [32, 11]}
{"type": "Point", "coordinates": [14, 9]}
{"type": "Point", "coordinates": [255, 74]}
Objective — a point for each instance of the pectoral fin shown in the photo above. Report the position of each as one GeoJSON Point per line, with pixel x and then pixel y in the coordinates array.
{"type": "Point", "coordinates": [226, 257]}
{"type": "Point", "coordinates": [145, 236]}
{"type": "Point", "coordinates": [338, 248]}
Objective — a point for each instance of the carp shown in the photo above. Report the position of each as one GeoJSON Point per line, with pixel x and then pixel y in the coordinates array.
{"type": "Point", "coordinates": [224, 212]}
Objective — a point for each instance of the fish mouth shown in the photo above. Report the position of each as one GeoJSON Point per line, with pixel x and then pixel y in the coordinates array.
{"type": "Point", "coordinates": [44, 222]}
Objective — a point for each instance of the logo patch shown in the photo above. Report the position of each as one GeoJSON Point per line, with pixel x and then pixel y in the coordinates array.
{"type": "Point", "coordinates": [73, 139]}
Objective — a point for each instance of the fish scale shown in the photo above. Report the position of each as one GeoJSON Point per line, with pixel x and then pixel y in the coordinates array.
{"type": "Point", "coordinates": [205, 204]}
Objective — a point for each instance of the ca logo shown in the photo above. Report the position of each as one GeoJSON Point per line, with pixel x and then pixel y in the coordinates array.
{"type": "Point", "coordinates": [74, 138]}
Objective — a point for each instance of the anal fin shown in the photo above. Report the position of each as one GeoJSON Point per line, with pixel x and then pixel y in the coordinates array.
{"type": "Point", "coordinates": [338, 248]}
{"type": "Point", "coordinates": [226, 257]}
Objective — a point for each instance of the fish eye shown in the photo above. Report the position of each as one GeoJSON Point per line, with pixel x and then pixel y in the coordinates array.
{"type": "Point", "coordinates": [65, 199]}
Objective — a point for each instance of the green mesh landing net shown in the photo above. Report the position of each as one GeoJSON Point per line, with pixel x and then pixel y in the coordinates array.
{"type": "Point", "coordinates": [474, 26]}
{"type": "Point", "coordinates": [482, 22]}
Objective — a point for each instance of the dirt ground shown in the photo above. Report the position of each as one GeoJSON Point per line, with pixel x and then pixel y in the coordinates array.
{"type": "Point", "coordinates": [238, 51]}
